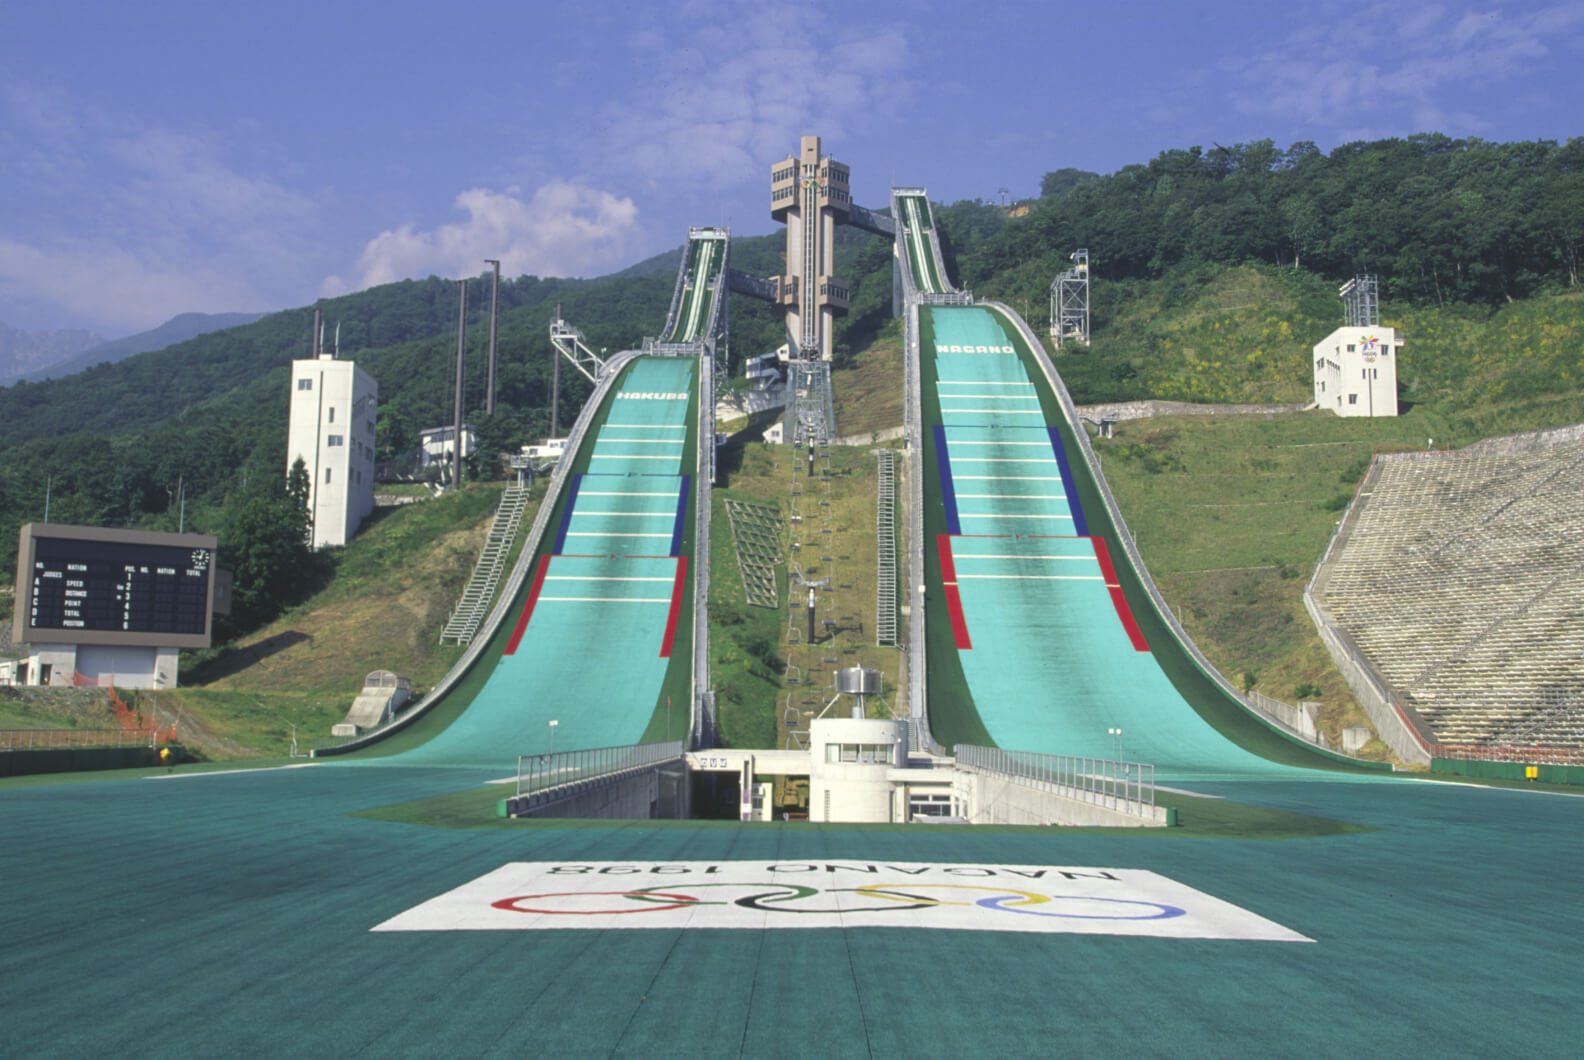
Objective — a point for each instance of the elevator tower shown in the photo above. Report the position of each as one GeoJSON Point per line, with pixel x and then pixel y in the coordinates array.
{"type": "Point", "coordinates": [811, 194]}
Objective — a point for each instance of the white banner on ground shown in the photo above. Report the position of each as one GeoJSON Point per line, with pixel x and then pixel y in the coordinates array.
{"type": "Point", "coordinates": [540, 895]}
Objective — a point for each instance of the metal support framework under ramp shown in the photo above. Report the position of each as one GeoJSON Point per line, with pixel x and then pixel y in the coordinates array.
{"type": "Point", "coordinates": [570, 342]}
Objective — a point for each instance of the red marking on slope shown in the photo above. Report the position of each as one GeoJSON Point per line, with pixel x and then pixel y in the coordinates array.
{"type": "Point", "coordinates": [676, 607]}
{"type": "Point", "coordinates": [527, 611]}
{"type": "Point", "coordinates": [1118, 599]}
{"type": "Point", "coordinates": [954, 607]}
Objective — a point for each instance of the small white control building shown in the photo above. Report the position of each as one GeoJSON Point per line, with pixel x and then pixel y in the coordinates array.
{"type": "Point", "coordinates": [333, 408]}
{"type": "Point", "coordinates": [437, 444]}
{"type": "Point", "coordinates": [1355, 371]}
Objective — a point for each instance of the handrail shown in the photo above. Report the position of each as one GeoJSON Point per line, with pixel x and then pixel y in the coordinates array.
{"type": "Point", "coordinates": [539, 774]}
{"type": "Point", "coordinates": [67, 739]}
{"type": "Point", "coordinates": [701, 722]}
{"type": "Point", "coordinates": [918, 708]}
{"type": "Point", "coordinates": [1533, 755]}
{"type": "Point", "coordinates": [1128, 787]}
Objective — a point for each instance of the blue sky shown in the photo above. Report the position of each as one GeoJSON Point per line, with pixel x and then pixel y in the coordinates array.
{"type": "Point", "coordinates": [167, 157]}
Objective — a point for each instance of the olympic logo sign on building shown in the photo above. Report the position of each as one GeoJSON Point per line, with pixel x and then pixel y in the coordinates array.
{"type": "Point", "coordinates": [544, 895]}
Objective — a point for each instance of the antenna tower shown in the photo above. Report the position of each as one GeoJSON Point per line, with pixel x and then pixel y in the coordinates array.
{"type": "Point", "coordinates": [1361, 301]}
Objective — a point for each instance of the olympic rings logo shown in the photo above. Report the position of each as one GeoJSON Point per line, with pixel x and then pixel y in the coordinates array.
{"type": "Point", "coordinates": [792, 899]}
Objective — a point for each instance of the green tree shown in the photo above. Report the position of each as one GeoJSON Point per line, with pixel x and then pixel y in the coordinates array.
{"type": "Point", "coordinates": [265, 544]}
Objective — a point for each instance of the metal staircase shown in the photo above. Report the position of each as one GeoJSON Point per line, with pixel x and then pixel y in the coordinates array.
{"type": "Point", "coordinates": [480, 590]}
{"type": "Point", "coordinates": [885, 533]}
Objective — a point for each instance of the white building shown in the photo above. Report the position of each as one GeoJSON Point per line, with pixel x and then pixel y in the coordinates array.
{"type": "Point", "coordinates": [333, 408]}
{"type": "Point", "coordinates": [438, 443]}
{"type": "Point", "coordinates": [1355, 371]}
{"type": "Point", "coordinates": [549, 450]}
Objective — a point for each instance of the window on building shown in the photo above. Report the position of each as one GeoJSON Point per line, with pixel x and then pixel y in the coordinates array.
{"type": "Point", "coordinates": [331, 411]}
{"type": "Point", "coordinates": [334, 440]}
{"type": "Point", "coordinates": [1352, 399]}
{"type": "Point", "coordinates": [327, 476]}
{"type": "Point", "coordinates": [1351, 347]}
{"type": "Point", "coordinates": [305, 384]}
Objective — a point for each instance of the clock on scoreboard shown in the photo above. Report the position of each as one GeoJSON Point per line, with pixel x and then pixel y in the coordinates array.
{"type": "Point", "coordinates": [89, 585]}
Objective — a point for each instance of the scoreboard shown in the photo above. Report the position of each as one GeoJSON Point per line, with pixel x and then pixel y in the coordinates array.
{"type": "Point", "coordinates": [88, 585]}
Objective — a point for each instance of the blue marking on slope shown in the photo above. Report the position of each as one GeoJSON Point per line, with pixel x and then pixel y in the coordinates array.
{"type": "Point", "coordinates": [948, 494]}
{"type": "Point", "coordinates": [566, 516]}
{"type": "Point", "coordinates": [1080, 526]}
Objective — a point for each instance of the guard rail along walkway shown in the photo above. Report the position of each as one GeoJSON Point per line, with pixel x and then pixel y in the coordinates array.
{"type": "Point", "coordinates": [545, 779]}
{"type": "Point", "coordinates": [1126, 788]}
{"type": "Point", "coordinates": [463, 624]}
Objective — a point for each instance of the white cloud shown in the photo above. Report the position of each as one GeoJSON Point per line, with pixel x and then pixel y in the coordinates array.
{"type": "Point", "coordinates": [122, 224]}
{"type": "Point", "coordinates": [1400, 64]}
{"type": "Point", "coordinates": [106, 283]}
{"type": "Point", "coordinates": [564, 229]}
{"type": "Point", "coordinates": [725, 96]}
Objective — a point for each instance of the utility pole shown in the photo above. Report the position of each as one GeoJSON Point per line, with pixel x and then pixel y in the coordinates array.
{"type": "Point", "coordinates": [555, 386]}
{"type": "Point", "coordinates": [456, 448]}
{"type": "Point", "coordinates": [489, 389]}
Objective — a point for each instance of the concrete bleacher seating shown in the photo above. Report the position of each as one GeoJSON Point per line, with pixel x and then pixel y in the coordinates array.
{"type": "Point", "coordinates": [1461, 580]}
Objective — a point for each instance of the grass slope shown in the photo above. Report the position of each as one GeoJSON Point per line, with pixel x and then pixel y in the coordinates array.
{"type": "Point", "coordinates": [748, 645]}
{"type": "Point", "coordinates": [395, 584]}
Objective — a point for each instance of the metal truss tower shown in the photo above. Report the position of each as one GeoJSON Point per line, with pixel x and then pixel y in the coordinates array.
{"type": "Point", "coordinates": [1361, 302]}
{"type": "Point", "coordinates": [1070, 302]}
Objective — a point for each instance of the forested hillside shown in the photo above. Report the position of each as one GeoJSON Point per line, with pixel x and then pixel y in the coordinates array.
{"type": "Point", "coordinates": [1214, 272]}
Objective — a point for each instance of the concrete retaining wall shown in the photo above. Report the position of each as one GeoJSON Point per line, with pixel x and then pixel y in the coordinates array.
{"type": "Point", "coordinates": [1529, 442]}
{"type": "Point", "coordinates": [75, 760]}
{"type": "Point", "coordinates": [1390, 725]}
{"type": "Point", "coordinates": [1139, 410]}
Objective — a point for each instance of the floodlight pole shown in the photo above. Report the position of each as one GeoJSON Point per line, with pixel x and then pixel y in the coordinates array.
{"type": "Point", "coordinates": [456, 448]}
{"type": "Point", "coordinates": [489, 389]}
{"type": "Point", "coordinates": [550, 728]}
{"type": "Point", "coordinates": [555, 387]}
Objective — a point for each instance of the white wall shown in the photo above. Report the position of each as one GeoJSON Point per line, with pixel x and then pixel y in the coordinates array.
{"type": "Point", "coordinates": [333, 408]}
{"type": "Point", "coordinates": [849, 763]}
{"type": "Point", "coordinates": [1355, 371]}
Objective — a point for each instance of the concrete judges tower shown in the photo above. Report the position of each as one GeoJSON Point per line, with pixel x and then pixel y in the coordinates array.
{"type": "Point", "coordinates": [333, 408]}
{"type": "Point", "coordinates": [811, 194]}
